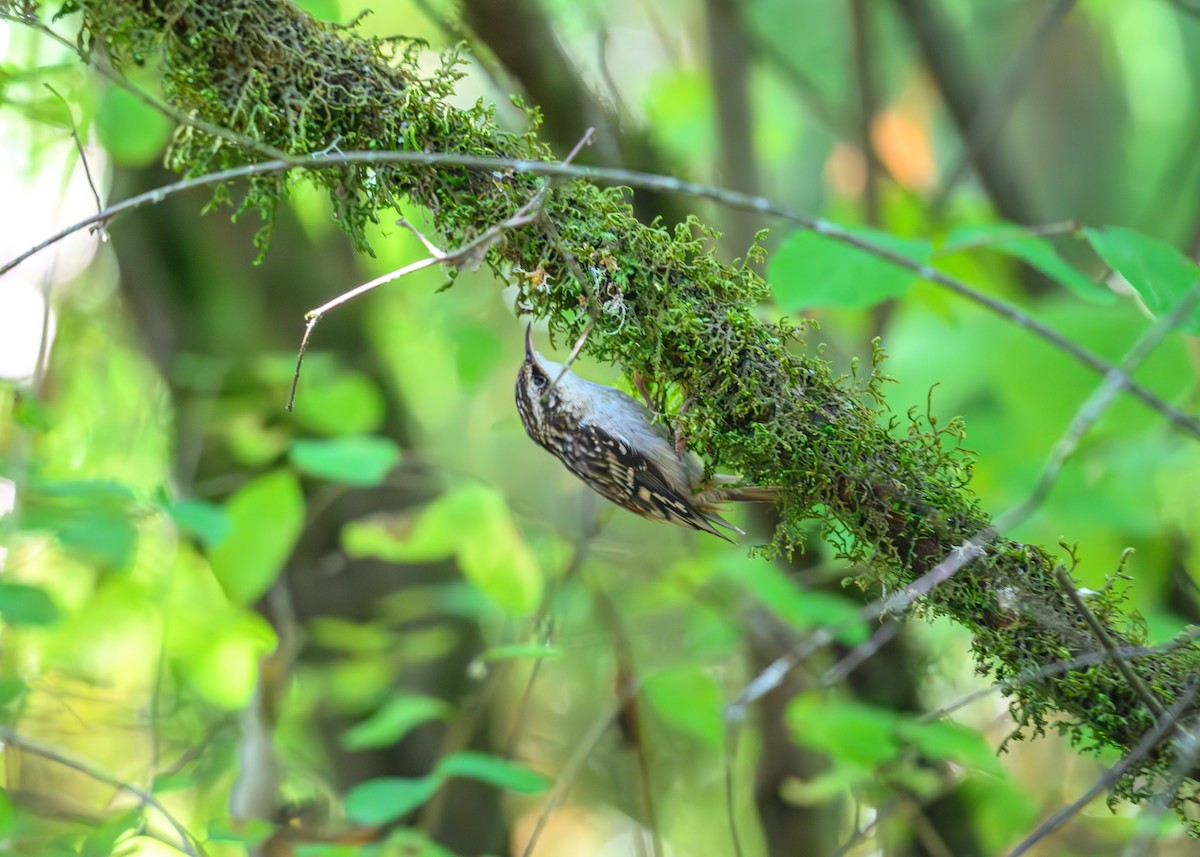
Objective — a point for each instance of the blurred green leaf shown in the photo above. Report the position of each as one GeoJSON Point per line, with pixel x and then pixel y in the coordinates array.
{"type": "Point", "coordinates": [392, 539]}
{"type": "Point", "coordinates": [947, 740]}
{"type": "Point", "coordinates": [174, 782]}
{"type": "Point", "coordinates": [266, 515]}
{"type": "Point", "coordinates": [21, 604]}
{"type": "Point", "coordinates": [494, 771]}
{"type": "Point", "coordinates": [800, 607]}
{"type": "Point", "coordinates": [386, 799]}
{"type": "Point", "coordinates": [1034, 250]}
{"type": "Point", "coordinates": [207, 522]}
{"type": "Point", "coordinates": [91, 520]}
{"type": "Point", "coordinates": [346, 403]}
{"type": "Point", "coordinates": [101, 841]}
{"type": "Point", "coordinates": [245, 831]}
{"type": "Point", "coordinates": [811, 270]}
{"type": "Point", "coordinates": [510, 651]}
{"type": "Point", "coordinates": [827, 785]}
{"type": "Point", "coordinates": [491, 552]}
{"type": "Point", "coordinates": [398, 716]}
{"type": "Point", "coordinates": [472, 523]}
{"type": "Point", "coordinates": [856, 732]}
{"type": "Point", "coordinates": [133, 132]}
{"type": "Point", "coordinates": [352, 459]}
{"type": "Point", "coordinates": [1159, 273]}
{"type": "Point", "coordinates": [689, 699]}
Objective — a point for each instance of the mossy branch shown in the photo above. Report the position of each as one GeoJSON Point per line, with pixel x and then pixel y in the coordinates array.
{"type": "Point", "coordinates": [895, 502]}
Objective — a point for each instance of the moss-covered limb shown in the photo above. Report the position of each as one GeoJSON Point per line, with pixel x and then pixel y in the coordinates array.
{"type": "Point", "coordinates": [895, 501]}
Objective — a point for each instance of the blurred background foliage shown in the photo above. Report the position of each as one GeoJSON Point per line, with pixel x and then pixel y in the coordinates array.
{"type": "Point", "coordinates": [388, 623]}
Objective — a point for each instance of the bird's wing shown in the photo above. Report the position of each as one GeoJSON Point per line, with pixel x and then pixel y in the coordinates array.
{"type": "Point", "coordinates": [626, 477]}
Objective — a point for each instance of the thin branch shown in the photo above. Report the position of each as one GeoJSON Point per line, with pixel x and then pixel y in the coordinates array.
{"type": "Point", "coordinates": [186, 842]}
{"type": "Point", "coordinates": [1117, 379]}
{"type": "Point", "coordinates": [1185, 762]}
{"type": "Point", "coordinates": [773, 675]}
{"type": "Point", "coordinates": [1135, 681]}
{"type": "Point", "coordinates": [469, 255]}
{"type": "Point", "coordinates": [87, 170]}
{"type": "Point", "coordinates": [562, 786]}
{"type": "Point", "coordinates": [651, 181]}
{"type": "Point", "coordinates": [1045, 230]}
{"type": "Point", "coordinates": [1112, 775]}
{"type": "Point", "coordinates": [728, 758]}
{"type": "Point", "coordinates": [860, 653]}
{"type": "Point", "coordinates": [1090, 659]}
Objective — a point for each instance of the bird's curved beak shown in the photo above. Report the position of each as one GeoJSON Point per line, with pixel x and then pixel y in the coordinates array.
{"type": "Point", "coordinates": [529, 352]}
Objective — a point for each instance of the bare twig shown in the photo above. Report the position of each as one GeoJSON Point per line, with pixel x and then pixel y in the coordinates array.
{"type": "Point", "coordinates": [87, 170]}
{"type": "Point", "coordinates": [1089, 659]}
{"type": "Point", "coordinates": [860, 653]}
{"type": "Point", "coordinates": [1045, 230]}
{"type": "Point", "coordinates": [566, 779]}
{"type": "Point", "coordinates": [1134, 680]}
{"type": "Point", "coordinates": [1112, 775]}
{"type": "Point", "coordinates": [186, 843]}
{"type": "Point", "coordinates": [1117, 379]}
{"type": "Point", "coordinates": [773, 675]}
{"type": "Point", "coordinates": [730, 754]}
{"type": "Point", "coordinates": [470, 254]}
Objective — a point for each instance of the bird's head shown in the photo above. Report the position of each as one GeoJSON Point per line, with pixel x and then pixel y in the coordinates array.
{"type": "Point", "coordinates": [535, 396]}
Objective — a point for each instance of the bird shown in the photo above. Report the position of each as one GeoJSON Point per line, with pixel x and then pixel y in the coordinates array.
{"type": "Point", "coordinates": [612, 442]}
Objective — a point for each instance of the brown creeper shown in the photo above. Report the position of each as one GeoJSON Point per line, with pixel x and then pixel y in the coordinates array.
{"type": "Point", "coordinates": [611, 441]}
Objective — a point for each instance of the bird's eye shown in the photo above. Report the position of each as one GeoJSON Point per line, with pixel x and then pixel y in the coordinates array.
{"type": "Point", "coordinates": [539, 382]}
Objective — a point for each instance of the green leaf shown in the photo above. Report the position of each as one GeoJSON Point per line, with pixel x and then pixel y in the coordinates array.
{"type": "Point", "coordinates": [1158, 272]}
{"type": "Point", "coordinates": [347, 403]}
{"type": "Point", "coordinates": [352, 459]}
{"type": "Point", "coordinates": [473, 524]}
{"type": "Point", "coordinates": [21, 604]}
{"type": "Point", "coordinates": [510, 651]}
{"type": "Point", "coordinates": [1034, 250]}
{"type": "Point", "coordinates": [266, 515]}
{"type": "Point", "coordinates": [811, 270]}
{"type": "Point", "coordinates": [91, 520]}
{"type": "Point", "coordinates": [689, 699]}
{"type": "Point", "coordinates": [852, 731]}
{"type": "Point", "coordinates": [492, 554]}
{"type": "Point", "coordinates": [133, 132]}
{"type": "Point", "coordinates": [207, 522]}
{"type": "Point", "coordinates": [801, 607]}
{"type": "Point", "coordinates": [101, 841]}
{"type": "Point", "coordinates": [386, 799]}
{"type": "Point", "coordinates": [494, 771]}
{"type": "Point", "coordinates": [947, 740]}
{"type": "Point", "coordinates": [395, 719]}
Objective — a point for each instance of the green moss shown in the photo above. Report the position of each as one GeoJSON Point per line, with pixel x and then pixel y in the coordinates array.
{"type": "Point", "coordinates": [894, 500]}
